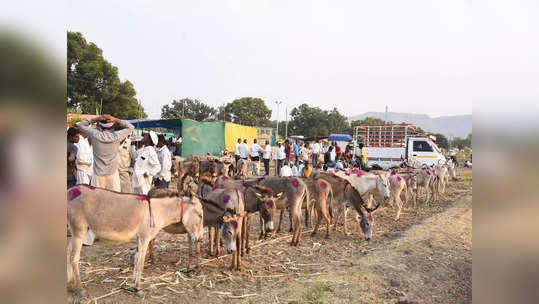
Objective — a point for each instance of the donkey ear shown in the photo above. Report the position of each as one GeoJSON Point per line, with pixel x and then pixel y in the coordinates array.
{"type": "Point", "coordinates": [225, 218]}
{"type": "Point", "coordinates": [279, 195]}
{"type": "Point", "coordinates": [259, 195]}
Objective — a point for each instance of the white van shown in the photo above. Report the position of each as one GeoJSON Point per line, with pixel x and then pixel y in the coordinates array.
{"type": "Point", "coordinates": [391, 148]}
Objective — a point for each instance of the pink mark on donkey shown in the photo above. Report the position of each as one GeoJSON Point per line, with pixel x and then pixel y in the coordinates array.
{"type": "Point", "coordinates": [270, 203]}
{"type": "Point", "coordinates": [73, 193]}
{"type": "Point", "coordinates": [295, 182]}
{"type": "Point", "coordinates": [323, 184]}
{"type": "Point", "coordinates": [399, 179]}
{"type": "Point", "coordinates": [428, 172]}
{"type": "Point", "coordinates": [370, 218]}
{"type": "Point", "coordinates": [226, 198]}
{"type": "Point", "coordinates": [224, 178]}
{"type": "Point", "coordinates": [360, 173]}
{"type": "Point", "coordinates": [234, 224]}
{"type": "Point", "coordinates": [347, 174]}
{"type": "Point", "coordinates": [141, 197]}
{"type": "Point", "coordinates": [246, 185]}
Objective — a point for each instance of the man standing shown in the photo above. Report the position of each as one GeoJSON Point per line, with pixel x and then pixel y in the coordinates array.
{"type": "Point", "coordinates": [237, 153]}
{"type": "Point", "coordinates": [72, 139]}
{"type": "Point", "coordinates": [363, 159]}
{"type": "Point", "coordinates": [106, 143]}
{"type": "Point", "coordinates": [288, 150]}
{"type": "Point", "coordinates": [279, 156]}
{"type": "Point", "coordinates": [296, 151]}
{"type": "Point", "coordinates": [162, 179]}
{"type": "Point", "coordinates": [85, 160]}
{"type": "Point", "coordinates": [147, 164]}
{"type": "Point", "coordinates": [124, 164]}
{"type": "Point", "coordinates": [254, 151]}
{"type": "Point", "coordinates": [317, 149]}
{"type": "Point", "coordinates": [267, 157]}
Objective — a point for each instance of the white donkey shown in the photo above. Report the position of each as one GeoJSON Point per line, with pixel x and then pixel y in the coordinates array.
{"type": "Point", "coordinates": [366, 184]}
{"type": "Point", "coordinates": [121, 217]}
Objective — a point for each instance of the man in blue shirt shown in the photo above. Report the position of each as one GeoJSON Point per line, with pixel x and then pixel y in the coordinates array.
{"type": "Point", "coordinates": [296, 151]}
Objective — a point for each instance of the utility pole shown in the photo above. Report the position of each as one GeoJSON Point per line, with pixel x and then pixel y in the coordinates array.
{"type": "Point", "coordinates": [286, 124]}
{"type": "Point", "coordinates": [278, 103]}
{"type": "Point", "coordinates": [386, 116]}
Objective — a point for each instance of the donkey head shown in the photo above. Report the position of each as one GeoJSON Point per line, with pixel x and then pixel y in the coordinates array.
{"type": "Point", "coordinates": [267, 207]}
{"type": "Point", "coordinates": [193, 219]}
{"type": "Point", "coordinates": [382, 186]}
{"type": "Point", "coordinates": [223, 167]}
{"type": "Point", "coordinates": [366, 223]}
{"type": "Point", "coordinates": [230, 226]}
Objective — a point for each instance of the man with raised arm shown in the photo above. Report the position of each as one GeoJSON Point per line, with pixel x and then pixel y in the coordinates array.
{"type": "Point", "coordinates": [106, 139]}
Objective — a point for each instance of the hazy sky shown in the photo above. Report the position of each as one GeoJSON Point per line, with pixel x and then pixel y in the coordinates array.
{"type": "Point", "coordinates": [431, 57]}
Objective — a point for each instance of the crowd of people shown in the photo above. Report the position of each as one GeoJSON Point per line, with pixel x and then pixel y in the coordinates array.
{"type": "Point", "coordinates": [103, 152]}
{"type": "Point", "coordinates": [299, 158]}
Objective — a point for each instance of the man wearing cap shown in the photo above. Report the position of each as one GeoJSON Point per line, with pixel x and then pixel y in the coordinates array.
{"type": "Point", "coordinates": [146, 165]}
{"type": "Point", "coordinates": [162, 179]}
{"type": "Point", "coordinates": [106, 140]}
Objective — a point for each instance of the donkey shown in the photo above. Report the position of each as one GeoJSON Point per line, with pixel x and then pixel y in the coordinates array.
{"type": "Point", "coordinates": [320, 191]}
{"type": "Point", "coordinates": [397, 186]}
{"type": "Point", "coordinates": [184, 168]}
{"type": "Point", "coordinates": [426, 179]}
{"type": "Point", "coordinates": [120, 217]}
{"type": "Point", "coordinates": [257, 199]}
{"type": "Point", "coordinates": [295, 195]}
{"type": "Point", "coordinates": [345, 194]}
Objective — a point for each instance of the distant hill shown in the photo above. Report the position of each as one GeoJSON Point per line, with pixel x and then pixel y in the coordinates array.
{"type": "Point", "coordinates": [457, 126]}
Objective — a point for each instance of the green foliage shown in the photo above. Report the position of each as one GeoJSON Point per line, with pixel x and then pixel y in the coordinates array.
{"type": "Point", "coordinates": [441, 140]}
{"type": "Point", "coordinates": [193, 109]}
{"type": "Point", "coordinates": [92, 79]}
{"type": "Point", "coordinates": [73, 121]}
{"type": "Point", "coordinates": [313, 122]}
{"type": "Point", "coordinates": [462, 143]}
{"type": "Point", "coordinates": [367, 120]}
{"type": "Point", "coordinates": [249, 111]}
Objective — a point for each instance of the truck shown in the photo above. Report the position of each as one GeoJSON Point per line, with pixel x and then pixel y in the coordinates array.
{"type": "Point", "coordinates": [391, 145]}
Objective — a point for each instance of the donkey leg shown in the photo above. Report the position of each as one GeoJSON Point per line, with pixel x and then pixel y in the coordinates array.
{"type": "Point", "coordinates": [262, 227]}
{"type": "Point", "coordinates": [328, 221]}
{"type": "Point", "coordinates": [211, 236]}
{"type": "Point", "coordinates": [398, 202]}
{"type": "Point", "coordinates": [248, 234]}
{"type": "Point", "coordinates": [198, 255]}
{"type": "Point", "coordinates": [150, 257]}
{"type": "Point", "coordinates": [315, 229]}
{"type": "Point", "coordinates": [76, 246]}
{"type": "Point", "coordinates": [139, 263]}
{"type": "Point", "coordinates": [280, 221]}
{"type": "Point", "coordinates": [292, 225]}
{"type": "Point", "coordinates": [345, 213]}
{"type": "Point", "coordinates": [217, 241]}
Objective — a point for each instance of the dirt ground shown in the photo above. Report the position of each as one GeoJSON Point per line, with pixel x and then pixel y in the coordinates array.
{"type": "Point", "coordinates": [425, 257]}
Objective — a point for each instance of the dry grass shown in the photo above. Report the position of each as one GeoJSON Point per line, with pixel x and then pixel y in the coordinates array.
{"type": "Point", "coordinates": [426, 256]}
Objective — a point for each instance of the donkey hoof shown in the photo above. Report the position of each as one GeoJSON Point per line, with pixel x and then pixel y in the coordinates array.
{"type": "Point", "coordinates": [80, 293]}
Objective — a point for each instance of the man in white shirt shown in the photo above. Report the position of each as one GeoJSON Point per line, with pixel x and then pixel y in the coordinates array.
{"type": "Point", "coordinates": [254, 151]}
{"type": "Point", "coordinates": [300, 169]}
{"type": "Point", "coordinates": [294, 169]}
{"type": "Point", "coordinates": [287, 170]}
{"type": "Point", "coordinates": [147, 165]}
{"type": "Point", "coordinates": [162, 179]}
{"type": "Point", "coordinates": [237, 153]}
{"type": "Point", "coordinates": [84, 160]}
{"type": "Point", "coordinates": [244, 150]}
{"type": "Point", "coordinates": [267, 157]}
{"type": "Point", "coordinates": [317, 150]}
{"type": "Point", "coordinates": [279, 156]}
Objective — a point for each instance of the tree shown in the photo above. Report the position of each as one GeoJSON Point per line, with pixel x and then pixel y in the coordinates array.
{"type": "Point", "coordinates": [367, 121]}
{"type": "Point", "coordinates": [93, 84]}
{"type": "Point", "coordinates": [193, 109]}
{"type": "Point", "coordinates": [441, 140]}
{"type": "Point", "coordinates": [313, 122]}
{"type": "Point", "coordinates": [248, 111]}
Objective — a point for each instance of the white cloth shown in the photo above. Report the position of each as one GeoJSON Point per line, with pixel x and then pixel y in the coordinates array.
{"type": "Point", "coordinates": [317, 149]}
{"type": "Point", "coordinates": [295, 171]}
{"type": "Point", "coordinates": [254, 150]}
{"type": "Point", "coordinates": [286, 171]}
{"type": "Point", "coordinates": [163, 154]}
{"type": "Point", "coordinates": [146, 162]}
{"type": "Point", "coordinates": [267, 152]}
{"type": "Point", "coordinates": [278, 153]}
{"type": "Point", "coordinates": [85, 157]}
{"type": "Point", "coordinates": [244, 150]}
{"type": "Point", "coordinates": [300, 169]}
{"type": "Point", "coordinates": [237, 149]}
{"type": "Point", "coordinates": [332, 156]}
